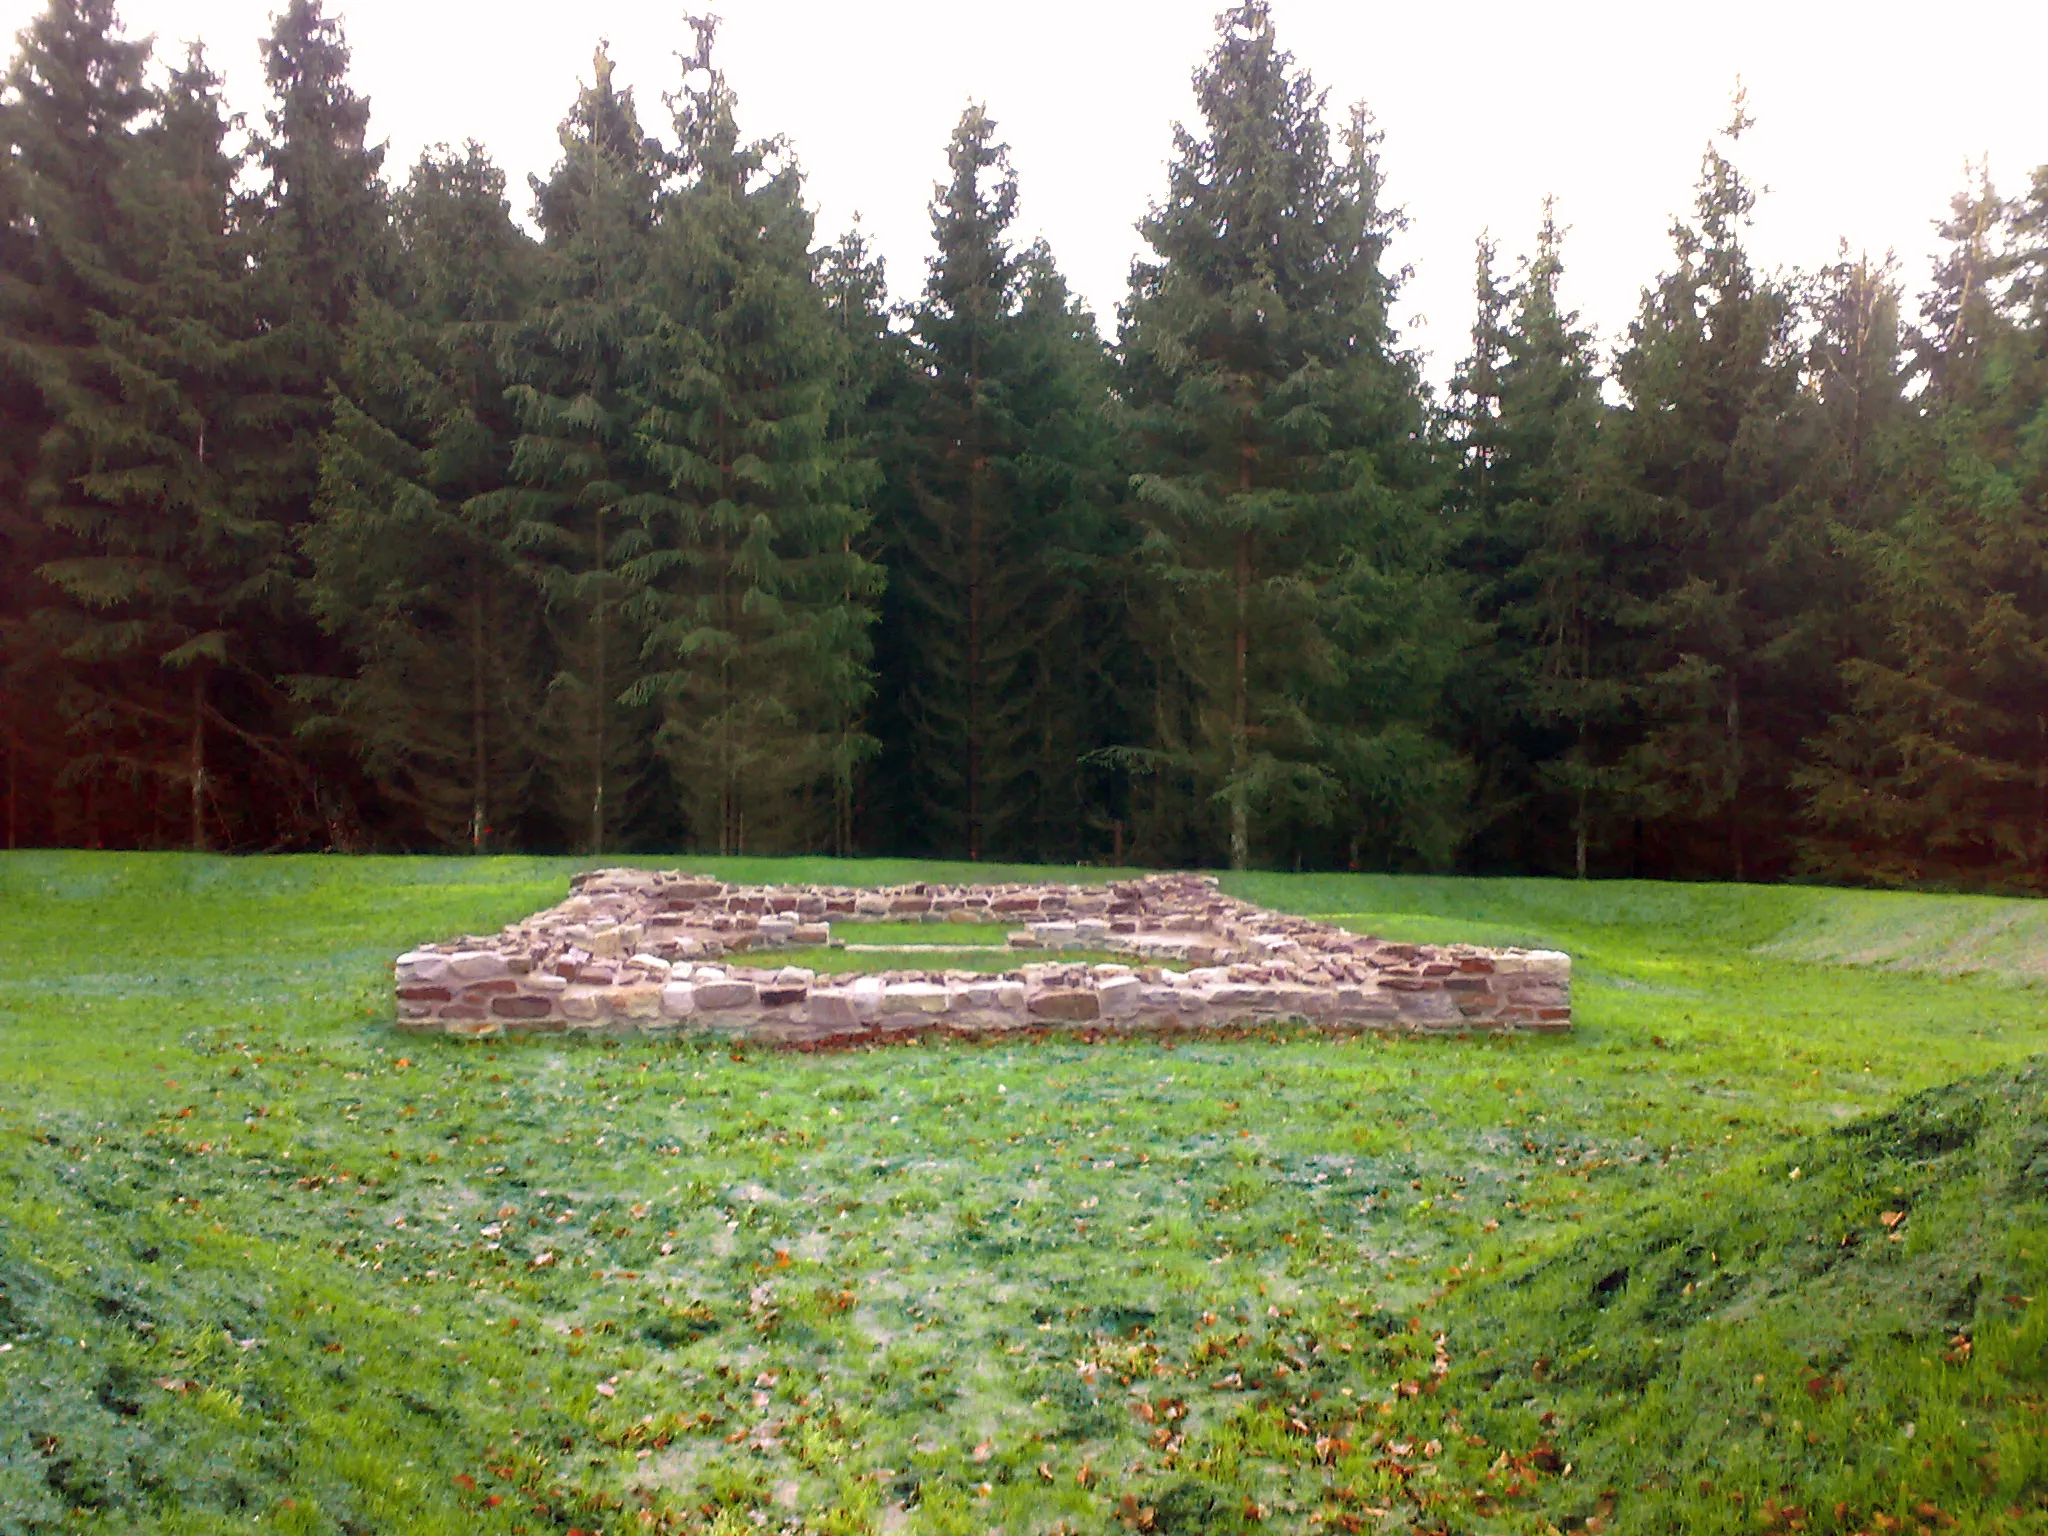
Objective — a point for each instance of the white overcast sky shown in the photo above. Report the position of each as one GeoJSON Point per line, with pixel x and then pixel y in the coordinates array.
{"type": "Point", "coordinates": [1865, 111]}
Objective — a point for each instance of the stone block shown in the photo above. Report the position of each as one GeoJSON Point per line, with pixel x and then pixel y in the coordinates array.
{"type": "Point", "coordinates": [422, 965]}
{"type": "Point", "coordinates": [521, 1007]}
{"type": "Point", "coordinates": [1073, 1005]}
{"type": "Point", "coordinates": [678, 999]}
{"type": "Point", "coordinates": [642, 1002]}
{"type": "Point", "coordinates": [477, 965]}
{"type": "Point", "coordinates": [828, 1006]}
{"type": "Point", "coordinates": [1237, 995]}
{"type": "Point", "coordinates": [1118, 996]}
{"type": "Point", "coordinates": [714, 996]}
{"type": "Point", "coordinates": [914, 997]}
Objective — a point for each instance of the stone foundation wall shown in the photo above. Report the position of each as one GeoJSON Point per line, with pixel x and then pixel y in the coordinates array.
{"type": "Point", "coordinates": [638, 952]}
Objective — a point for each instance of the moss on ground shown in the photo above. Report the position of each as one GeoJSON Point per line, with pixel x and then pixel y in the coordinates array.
{"type": "Point", "coordinates": [263, 1265]}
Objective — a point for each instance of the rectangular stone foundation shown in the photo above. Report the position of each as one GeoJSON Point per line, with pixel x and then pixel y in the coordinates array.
{"type": "Point", "coordinates": [640, 953]}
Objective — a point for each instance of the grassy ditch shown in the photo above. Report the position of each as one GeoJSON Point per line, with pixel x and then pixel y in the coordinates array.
{"type": "Point", "coordinates": [263, 1265]}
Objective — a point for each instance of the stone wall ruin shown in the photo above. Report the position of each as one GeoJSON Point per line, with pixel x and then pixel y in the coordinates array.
{"type": "Point", "coordinates": [638, 952]}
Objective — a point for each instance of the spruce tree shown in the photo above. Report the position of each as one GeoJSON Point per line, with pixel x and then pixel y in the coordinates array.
{"type": "Point", "coordinates": [1300, 623]}
{"type": "Point", "coordinates": [68, 121]}
{"type": "Point", "coordinates": [1545, 692]}
{"type": "Point", "coordinates": [1710, 473]}
{"type": "Point", "coordinates": [997, 462]}
{"type": "Point", "coordinates": [326, 228]}
{"type": "Point", "coordinates": [181, 570]}
{"type": "Point", "coordinates": [1934, 770]}
{"type": "Point", "coordinates": [867, 414]}
{"type": "Point", "coordinates": [746, 580]}
{"type": "Point", "coordinates": [1084, 681]}
{"type": "Point", "coordinates": [323, 233]}
{"type": "Point", "coordinates": [149, 474]}
{"type": "Point", "coordinates": [411, 564]}
{"type": "Point", "coordinates": [576, 462]}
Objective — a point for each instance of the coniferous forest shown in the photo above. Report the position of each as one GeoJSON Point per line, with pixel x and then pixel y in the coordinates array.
{"type": "Point", "coordinates": [357, 507]}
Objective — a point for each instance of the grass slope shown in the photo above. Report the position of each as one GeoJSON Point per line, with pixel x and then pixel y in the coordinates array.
{"type": "Point", "coordinates": [265, 1266]}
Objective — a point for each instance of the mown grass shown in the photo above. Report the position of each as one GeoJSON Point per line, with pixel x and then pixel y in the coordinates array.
{"type": "Point", "coordinates": [263, 1265]}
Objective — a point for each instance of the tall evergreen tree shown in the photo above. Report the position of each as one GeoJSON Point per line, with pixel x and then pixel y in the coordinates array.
{"type": "Point", "coordinates": [181, 570]}
{"type": "Point", "coordinates": [576, 462]}
{"type": "Point", "coordinates": [411, 563]}
{"type": "Point", "coordinates": [1083, 680]}
{"type": "Point", "coordinates": [1537, 539]}
{"type": "Point", "coordinates": [997, 464]}
{"type": "Point", "coordinates": [748, 585]}
{"type": "Point", "coordinates": [327, 238]}
{"type": "Point", "coordinates": [1935, 769]}
{"type": "Point", "coordinates": [68, 120]}
{"type": "Point", "coordinates": [867, 414]}
{"type": "Point", "coordinates": [1720, 540]}
{"type": "Point", "coordinates": [149, 475]}
{"type": "Point", "coordinates": [323, 247]}
{"type": "Point", "coordinates": [1301, 625]}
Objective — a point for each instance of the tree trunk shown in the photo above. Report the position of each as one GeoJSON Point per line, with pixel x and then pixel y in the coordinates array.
{"type": "Point", "coordinates": [1240, 703]}
{"type": "Point", "coordinates": [1732, 783]}
{"type": "Point", "coordinates": [597, 753]}
{"type": "Point", "coordinates": [196, 759]}
{"type": "Point", "coordinates": [1579, 815]}
{"type": "Point", "coordinates": [478, 762]}
{"type": "Point", "coordinates": [2041, 798]}
{"type": "Point", "coordinates": [974, 601]}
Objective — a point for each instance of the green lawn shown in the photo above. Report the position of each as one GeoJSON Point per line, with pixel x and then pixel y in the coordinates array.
{"type": "Point", "coordinates": [1760, 1247]}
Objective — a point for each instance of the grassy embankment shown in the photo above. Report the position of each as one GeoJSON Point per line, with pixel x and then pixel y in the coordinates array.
{"type": "Point", "coordinates": [1732, 1257]}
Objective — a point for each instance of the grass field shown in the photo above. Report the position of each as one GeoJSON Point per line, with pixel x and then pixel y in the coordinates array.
{"type": "Point", "coordinates": [1761, 1247]}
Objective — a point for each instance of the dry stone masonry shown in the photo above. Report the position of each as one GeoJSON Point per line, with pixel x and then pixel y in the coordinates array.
{"type": "Point", "coordinates": [637, 952]}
